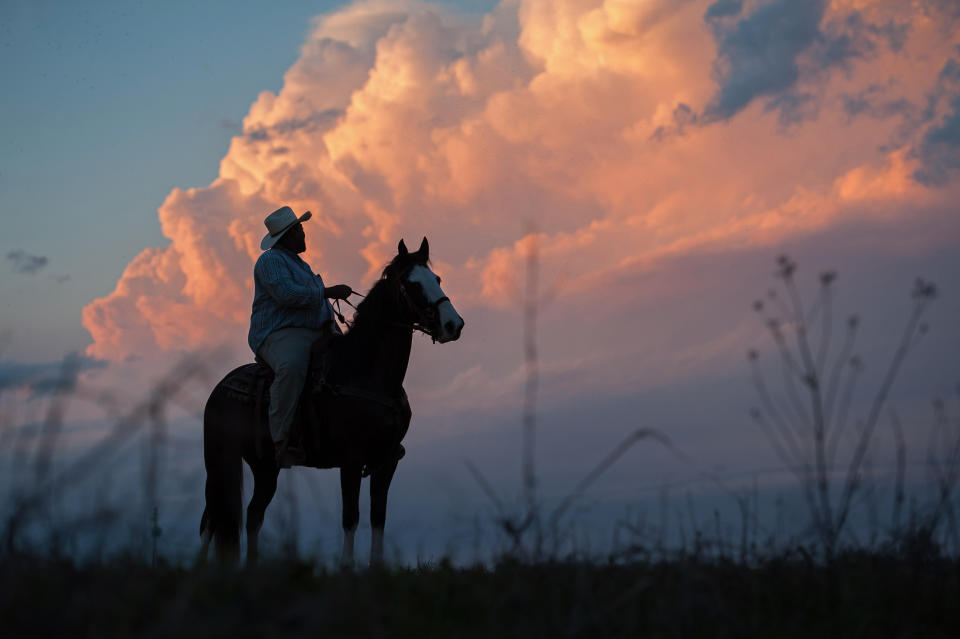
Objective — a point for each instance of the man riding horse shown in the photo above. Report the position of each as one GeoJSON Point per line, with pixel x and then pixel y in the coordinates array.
{"type": "Point", "coordinates": [360, 392]}
{"type": "Point", "coordinates": [290, 312]}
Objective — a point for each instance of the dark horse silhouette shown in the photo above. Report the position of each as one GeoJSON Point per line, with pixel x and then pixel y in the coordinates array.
{"type": "Point", "coordinates": [352, 415]}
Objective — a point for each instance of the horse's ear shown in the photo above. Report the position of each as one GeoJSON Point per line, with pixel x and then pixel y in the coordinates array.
{"type": "Point", "coordinates": [402, 248]}
{"type": "Point", "coordinates": [424, 248]}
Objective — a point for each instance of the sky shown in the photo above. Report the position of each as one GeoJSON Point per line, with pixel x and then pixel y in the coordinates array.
{"type": "Point", "coordinates": [655, 156]}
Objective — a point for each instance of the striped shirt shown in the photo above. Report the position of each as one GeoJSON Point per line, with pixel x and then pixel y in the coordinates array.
{"type": "Point", "coordinates": [286, 294]}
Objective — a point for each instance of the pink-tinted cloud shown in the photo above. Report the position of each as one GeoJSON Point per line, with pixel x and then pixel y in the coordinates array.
{"type": "Point", "coordinates": [628, 134]}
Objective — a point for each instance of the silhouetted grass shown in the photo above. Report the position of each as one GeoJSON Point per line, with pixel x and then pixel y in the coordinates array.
{"type": "Point", "coordinates": [806, 420]}
{"type": "Point", "coordinates": [855, 595]}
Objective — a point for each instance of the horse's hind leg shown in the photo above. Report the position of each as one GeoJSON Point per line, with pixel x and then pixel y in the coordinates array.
{"type": "Point", "coordinates": [379, 485]}
{"type": "Point", "coordinates": [206, 536]}
{"type": "Point", "coordinates": [264, 487]}
{"type": "Point", "coordinates": [350, 494]}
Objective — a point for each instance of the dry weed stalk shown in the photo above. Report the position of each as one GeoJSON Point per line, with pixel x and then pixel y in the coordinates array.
{"type": "Point", "coordinates": [530, 534]}
{"type": "Point", "coordinates": [805, 422]}
{"type": "Point", "coordinates": [28, 500]}
{"type": "Point", "coordinates": [943, 459]}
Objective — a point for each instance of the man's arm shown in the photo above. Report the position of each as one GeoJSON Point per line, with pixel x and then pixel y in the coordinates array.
{"type": "Point", "coordinates": [275, 278]}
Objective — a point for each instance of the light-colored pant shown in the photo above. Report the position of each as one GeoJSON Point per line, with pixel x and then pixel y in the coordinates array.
{"type": "Point", "coordinates": [287, 352]}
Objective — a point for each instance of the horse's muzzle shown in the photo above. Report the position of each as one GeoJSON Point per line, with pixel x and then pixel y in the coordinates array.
{"type": "Point", "coordinates": [449, 323]}
{"type": "Point", "coordinates": [451, 331]}
{"type": "Point", "coordinates": [450, 328]}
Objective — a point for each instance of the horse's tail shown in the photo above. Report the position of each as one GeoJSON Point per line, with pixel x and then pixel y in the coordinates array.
{"type": "Point", "coordinates": [223, 459]}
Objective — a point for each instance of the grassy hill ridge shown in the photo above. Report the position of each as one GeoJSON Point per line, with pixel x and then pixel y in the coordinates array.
{"type": "Point", "coordinates": [855, 595]}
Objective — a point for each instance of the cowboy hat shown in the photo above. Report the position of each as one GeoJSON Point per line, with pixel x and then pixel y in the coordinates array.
{"type": "Point", "coordinates": [278, 223]}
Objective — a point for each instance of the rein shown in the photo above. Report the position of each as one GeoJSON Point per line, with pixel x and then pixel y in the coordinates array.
{"type": "Point", "coordinates": [414, 326]}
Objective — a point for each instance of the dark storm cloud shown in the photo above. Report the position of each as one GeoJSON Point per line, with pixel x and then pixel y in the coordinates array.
{"type": "Point", "coordinates": [870, 102]}
{"type": "Point", "coordinates": [782, 51]}
{"type": "Point", "coordinates": [795, 107]}
{"type": "Point", "coordinates": [841, 41]}
{"type": "Point", "coordinates": [258, 135]}
{"type": "Point", "coordinates": [945, 11]}
{"type": "Point", "coordinates": [24, 262]}
{"type": "Point", "coordinates": [757, 55]}
{"type": "Point", "coordinates": [45, 377]}
{"type": "Point", "coordinates": [723, 9]}
{"type": "Point", "coordinates": [948, 84]}
{"type": "Point", "coordinates": [294, 124]}
{"type": "Point", "coordinates": [939, 148]}
{"type": "Point", "coordinates": [894, 33]}
{"type": "Point", "coordinates": [683, 116]}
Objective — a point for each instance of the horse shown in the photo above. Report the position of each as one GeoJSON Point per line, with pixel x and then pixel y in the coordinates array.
{"type": "Point", "coordinates": [352, 415]}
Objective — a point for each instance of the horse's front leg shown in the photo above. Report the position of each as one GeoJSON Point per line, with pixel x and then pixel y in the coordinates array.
{"type": "Point", "coordinates": [350, 494]}
{"type": "Point", "coordinates": [379, 485]}
{"type": "Point", "coordinates": [264, 488]}
{"type": "Point", "coordinates": [206, 536]}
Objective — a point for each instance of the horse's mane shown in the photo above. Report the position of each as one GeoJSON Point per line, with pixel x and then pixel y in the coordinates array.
{"type": "Point", "coordinates": [383, 295]}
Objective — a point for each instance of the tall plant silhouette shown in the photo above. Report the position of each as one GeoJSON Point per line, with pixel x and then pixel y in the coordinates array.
{"type": "Point", "coordinates": [531, 535]}
{"type": "Point", "coordinates": [806, 418]}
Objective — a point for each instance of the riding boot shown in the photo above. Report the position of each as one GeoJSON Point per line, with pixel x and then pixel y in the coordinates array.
{"type": "Point", "coordinates": [288, 455]}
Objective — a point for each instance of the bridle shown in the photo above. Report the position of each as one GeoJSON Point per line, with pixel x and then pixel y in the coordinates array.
{"type": "Point", "coordinates": [433, 308]}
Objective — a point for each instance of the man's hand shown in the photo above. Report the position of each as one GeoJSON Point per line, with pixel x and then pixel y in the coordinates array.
{"type": "Point", "coordinates": [338, 292]}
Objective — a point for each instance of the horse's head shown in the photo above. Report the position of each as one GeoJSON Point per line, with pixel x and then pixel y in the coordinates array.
{"type": "Point", "coordinates": [421, 294]}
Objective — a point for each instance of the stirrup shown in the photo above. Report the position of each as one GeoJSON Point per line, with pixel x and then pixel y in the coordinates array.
{"type": "Point", "coordinates": [365, 470]}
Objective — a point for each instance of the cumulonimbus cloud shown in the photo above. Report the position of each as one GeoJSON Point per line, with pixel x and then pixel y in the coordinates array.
{"type": "Point", "coordinates": [623, 132]}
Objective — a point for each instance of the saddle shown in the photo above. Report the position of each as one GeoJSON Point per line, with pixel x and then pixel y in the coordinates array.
{"type": "Point", "coordinates": [251, 382]}
{"type": "Point", "coordinates": [324, 443]}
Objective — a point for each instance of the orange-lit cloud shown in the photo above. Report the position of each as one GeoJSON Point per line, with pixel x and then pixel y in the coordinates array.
{"type": "Point", "coordinates": [623, 132]}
